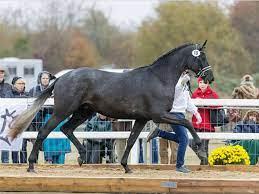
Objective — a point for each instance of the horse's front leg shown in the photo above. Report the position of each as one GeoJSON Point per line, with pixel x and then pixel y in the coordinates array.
{"type": "Point", "coordinates": [137, 128]}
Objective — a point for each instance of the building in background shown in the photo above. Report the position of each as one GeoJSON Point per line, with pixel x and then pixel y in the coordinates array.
{"type": "Point", "coordinates": [26, 68]}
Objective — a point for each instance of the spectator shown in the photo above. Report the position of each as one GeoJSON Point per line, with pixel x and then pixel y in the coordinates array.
{"type": "Point", "coordinates": [182, 103]}
{"type": "Point", "coordinates": [203, 91]}
{"type": "Point", "coordinates": [98, 148]}
{"type": "Point", "coordinates": [18, 91]}
{"type": "Point", "coordinates": [249, 124]}
{"type": "Point", "coordinates": [43, 81]}
{"type": "Point", "coordinates": [246, 90]}
{"type": "Point", "coordinates": [55, 149]}
{"type": "Point", "coordinates": [4, 89]}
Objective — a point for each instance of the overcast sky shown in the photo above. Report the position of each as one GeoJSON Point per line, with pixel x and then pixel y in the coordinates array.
{"type": "Point", "coordinates": [125, 13]}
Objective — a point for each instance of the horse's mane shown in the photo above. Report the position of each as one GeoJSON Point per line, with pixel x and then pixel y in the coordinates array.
{"type": "Point", "coordinates": [170, 52]}
{"type": "Point", "coordinates": [161, 57]}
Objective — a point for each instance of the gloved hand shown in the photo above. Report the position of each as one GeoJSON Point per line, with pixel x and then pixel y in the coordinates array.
{"type": "Point", "coordinates": [185, 78]}
{"type": "Point", "coordinates": [198, 118]}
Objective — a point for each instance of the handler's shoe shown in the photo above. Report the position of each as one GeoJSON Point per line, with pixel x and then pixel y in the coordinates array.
{"type": "Point", "coordinates": [152, 134]}
{"type": "Point", "coordinates": [183, 169]}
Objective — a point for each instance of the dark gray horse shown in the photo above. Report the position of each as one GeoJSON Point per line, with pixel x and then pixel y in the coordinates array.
{"type": "Point", "coordinates": [143, 94]}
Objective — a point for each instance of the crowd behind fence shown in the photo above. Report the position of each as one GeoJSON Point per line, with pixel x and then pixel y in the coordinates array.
{"type": "Point", "coordinates": [113, 142]}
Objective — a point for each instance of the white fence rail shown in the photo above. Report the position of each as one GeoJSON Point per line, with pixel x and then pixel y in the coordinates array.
{"type": "Point", "coordinates": [198, 102]}
{"type": "Point", "coordinates": [252, 103]}
{"type": "Point", "coordinates": [225, 103]}
{"type": "Point", "coordinates": [143, 135]}
{"type": "Point", "coordinates": [238, 103]}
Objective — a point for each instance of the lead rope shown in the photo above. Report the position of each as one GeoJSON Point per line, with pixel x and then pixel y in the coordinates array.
{"type": "Point", "coordinates": [189, 87]}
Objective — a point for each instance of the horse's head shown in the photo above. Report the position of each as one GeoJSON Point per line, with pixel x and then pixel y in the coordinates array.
{"type": "Point", "coordinates": [197, 62]}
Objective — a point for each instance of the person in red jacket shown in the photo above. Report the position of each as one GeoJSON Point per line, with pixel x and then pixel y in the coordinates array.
{"type": "Point", "coordinates": [203, 91]}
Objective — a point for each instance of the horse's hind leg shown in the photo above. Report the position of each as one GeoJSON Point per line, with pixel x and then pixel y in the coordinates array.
{"type": "Point", "coordinates": [171, 119]}
{"type": "Point", "coordinates": [44, 131]}
{"type": "Point", "coordinates": [68, 128]}
{"type": "Point", "coordinates": [137, 128]}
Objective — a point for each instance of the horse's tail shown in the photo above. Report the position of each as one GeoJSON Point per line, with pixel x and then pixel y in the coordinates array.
{"type": "Point", "coordinates": [24, 120]}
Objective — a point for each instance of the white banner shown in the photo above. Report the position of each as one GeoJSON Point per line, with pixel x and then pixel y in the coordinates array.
{"type": "Point", "coordinates": [7, 114]}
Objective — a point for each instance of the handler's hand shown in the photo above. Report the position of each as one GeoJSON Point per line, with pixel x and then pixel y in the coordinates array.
{"type": "Point", "coordinates": [185, 78]}
{"type": "Point", "coordinates": [198, 118]}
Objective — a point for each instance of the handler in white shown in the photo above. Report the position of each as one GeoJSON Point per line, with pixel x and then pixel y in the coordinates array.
{"type": "Point", "coordinates": [182, 103]}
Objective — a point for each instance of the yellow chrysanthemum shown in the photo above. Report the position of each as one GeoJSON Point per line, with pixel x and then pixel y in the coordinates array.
{"type": "Point", "coordinates": [229, 155]}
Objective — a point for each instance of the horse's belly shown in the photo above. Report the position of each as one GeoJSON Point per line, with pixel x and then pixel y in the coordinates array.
{"type": "Point", "coordinates": [120, 111]}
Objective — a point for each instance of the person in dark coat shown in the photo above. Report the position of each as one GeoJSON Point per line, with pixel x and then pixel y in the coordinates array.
{"type": "Point", "coordinates": [249, 124]}
{"type": "Point", "coordinates": [4, 89]}
{"type": "Point", "coordinates": [54, 149]}
{"type": "Point", "coordinates": [18, 89]}
{"type": "Point", "coordinates": [43, 81]}
{"type": "Point", "coordinates": [96, 147]}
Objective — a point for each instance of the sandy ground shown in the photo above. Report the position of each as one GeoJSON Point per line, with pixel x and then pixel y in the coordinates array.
{"type": "Point", "coordinates": [190, 158]}
{"type": "Point", "coordinates": [117, 171]}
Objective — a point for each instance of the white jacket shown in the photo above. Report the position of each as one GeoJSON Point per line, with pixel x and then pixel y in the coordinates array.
{"type": "Point", "coordinates": [182, 100]}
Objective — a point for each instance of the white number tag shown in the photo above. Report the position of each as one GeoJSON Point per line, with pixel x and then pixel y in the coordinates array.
{"type": "Point", "coordinates": [196, 53]}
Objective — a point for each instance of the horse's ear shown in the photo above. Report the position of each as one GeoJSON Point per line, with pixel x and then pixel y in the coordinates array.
{"type": "Point", "coordinates": [203, 46]}
{"type": "Point", "coordinates": [52, 76]}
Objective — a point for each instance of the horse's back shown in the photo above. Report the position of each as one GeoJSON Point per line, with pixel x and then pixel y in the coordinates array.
{"type": "Point", "coordinates": [88, 84]}
{"type": "Point", "coordinates": [81, 77]}
{"type": "Point", "coordinates": [118, 95]}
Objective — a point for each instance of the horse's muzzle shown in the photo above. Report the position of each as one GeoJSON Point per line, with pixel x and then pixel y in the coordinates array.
{"type": "Point", "coordinates": [208, 77]}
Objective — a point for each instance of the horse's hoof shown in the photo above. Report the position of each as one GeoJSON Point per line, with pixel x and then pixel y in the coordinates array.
{"type": "Point", "coordinates": [80, 161]}
{"type": "Point", "coordinates": [204, 161]}
{"type": "Point", "coordinates": [128, 171]}
{"type": "Point", "coordinates": [198, 144]}
{"type": "Point", "coordinates": [31, 170]}
{"type": "Point", "coordinates": [202, 154]}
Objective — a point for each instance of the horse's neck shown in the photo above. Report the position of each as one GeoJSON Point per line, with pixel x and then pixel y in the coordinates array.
{"type": "Point", "coordinates": [168, 73]}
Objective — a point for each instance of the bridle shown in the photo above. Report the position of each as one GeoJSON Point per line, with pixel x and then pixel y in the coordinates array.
{"type": "Point", "coordinates": [196, 53]}
{"type": "Point", "coordinates": [201, 73]}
